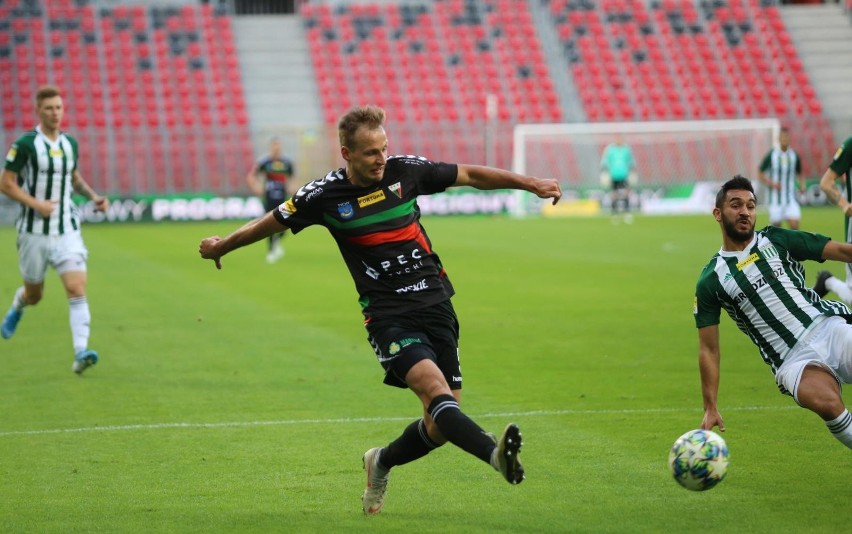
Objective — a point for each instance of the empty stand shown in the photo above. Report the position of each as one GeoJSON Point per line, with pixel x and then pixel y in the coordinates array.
{"type": "Point", "coordinates": [680, 59]}
{"type": "Point", "coordinates": [147, 89]}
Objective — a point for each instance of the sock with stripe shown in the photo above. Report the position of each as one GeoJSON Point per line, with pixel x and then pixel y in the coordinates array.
{"type": "Point", "coordinates": [841, 428]}
{"type": "Point", "coordinates": [459, 429]}
{"type": "Point", "coordinates": [840, 287]}
{"type": "Point", "coordinates": [79, 318]}
{"type": "Point", "coordinates": [18, 301]}
{"type": "Point", "coordinates": [414, 443]}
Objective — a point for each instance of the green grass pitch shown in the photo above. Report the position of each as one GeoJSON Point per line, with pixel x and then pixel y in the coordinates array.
{"type": "Point", "coordinates": [242, 400]}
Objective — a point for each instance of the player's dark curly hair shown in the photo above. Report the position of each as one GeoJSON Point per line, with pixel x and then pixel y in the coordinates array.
{"type": "Point", "coordinates": [738, 183]}
{"type": "Point", "coordinates": [370, 117]}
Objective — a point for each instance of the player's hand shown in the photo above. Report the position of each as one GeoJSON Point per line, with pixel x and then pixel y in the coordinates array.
{"type": "Point", "coordinates": [712, 418]}
{"type": "Point", "coordinates": [101, 203]}
{"type": "Point", "coordinates": [45, 207]}
{"type": "Point", "coordinates": [548, 188]}
{"type": "Point", "coordinates": [207, 249]}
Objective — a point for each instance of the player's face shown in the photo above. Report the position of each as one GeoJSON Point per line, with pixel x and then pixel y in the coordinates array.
{"type": "Point", "coordinates": [784, 140]}
{"type": "Point", "coordinates": [50, 113]}
{"type": "Point", "coordinates": [738, 215]}
{"type": "Point", "coordinates": [367, 156]}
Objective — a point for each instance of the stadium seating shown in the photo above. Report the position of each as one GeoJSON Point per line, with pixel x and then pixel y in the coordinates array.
{"type": "Point", "coordinates": [151, 86]}
{"type": "Point", "coordinates": [679, 59]}
{"type": "Point", "coordinates": [433, 63]}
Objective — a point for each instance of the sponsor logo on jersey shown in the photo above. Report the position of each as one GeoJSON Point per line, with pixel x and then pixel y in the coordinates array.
{"type": "Point", "coordinates": [748, 261]}
{"type": "Point", "coordinates": [10, 156]}
{"type": "Point", "coordinates": [839, 151]}
{"type": "Point", "coordinates": [56, 153]}
{"type": "Point", "coordinates": [396, 189]}
{"type": "Point", "coordinates": [345, 210]}
{"type": "Point", "coordinates": [727, 277]}
{"type": "Point", "coordinates": [372, 198]}
{"type": "Point", "coordinates": [419, 286]}
{"type": "Point", "coordinates": [314, 193]}
{"type": "Point", "coordinates": [287, 208]}
{"type": "Point", "coordinates": [695, 305]}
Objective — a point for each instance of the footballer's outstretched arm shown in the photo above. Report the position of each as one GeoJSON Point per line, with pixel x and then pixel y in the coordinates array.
{"type": "Point", "coordinates": [708, 365]}
{"type": "Point", "coordinates": [214, 247]}
{"type": "Point", "coordinates": [481, 177]}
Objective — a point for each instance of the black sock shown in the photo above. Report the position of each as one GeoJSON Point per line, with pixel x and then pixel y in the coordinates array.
{"type": "Point", "coordinates": [414, 443]}
{"type": "Point", "coordinates": [459, 429]}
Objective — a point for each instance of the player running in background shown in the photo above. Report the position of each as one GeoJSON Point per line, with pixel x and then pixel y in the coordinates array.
{"type": "Point", "coordinates": [370, 209]}
{"type": "Point", "coordinates": [781, 172]}
{"type": "Point", "coordinates": [618, 172]}
{"type": "Point", "coordinates": [759, 280]}
{"type": "Point", "coordinates": [40, 173]}
{"type": "Point", "coordinates": [277, 171]}
{"type": "Point", "coordinates": [840, 168]}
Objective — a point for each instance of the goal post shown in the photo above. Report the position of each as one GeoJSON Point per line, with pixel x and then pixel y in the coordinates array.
{"type": "Point", "coordinates": [669, 155]}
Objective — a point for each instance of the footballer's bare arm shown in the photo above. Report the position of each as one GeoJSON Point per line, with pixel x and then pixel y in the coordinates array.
{"type": "Point", "coordinates": [214, 247]}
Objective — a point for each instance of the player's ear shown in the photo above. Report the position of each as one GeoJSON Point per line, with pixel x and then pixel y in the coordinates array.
{"type": "Point", "coordinates": [717, 214]}
{"type": "Point", "coordinates": [344, 152]}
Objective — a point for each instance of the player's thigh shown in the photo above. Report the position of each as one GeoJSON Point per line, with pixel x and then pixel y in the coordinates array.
{"type": "Point", "coordinates": [68, 253]}
{"type": "Point", "coordinates": [33, 252]}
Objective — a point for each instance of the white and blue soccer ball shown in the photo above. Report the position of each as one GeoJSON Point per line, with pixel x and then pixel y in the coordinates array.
{"type": "Point", "coordinates": [699, 460]}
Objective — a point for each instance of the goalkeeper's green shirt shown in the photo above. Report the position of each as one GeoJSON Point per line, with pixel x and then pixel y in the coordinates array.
{"type": "Point", "coordinates": [762, 288]}
{"type": "Point", "coordinates": [618, 161]}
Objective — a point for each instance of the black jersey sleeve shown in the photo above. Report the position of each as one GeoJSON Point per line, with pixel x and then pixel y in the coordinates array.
{"type": "Point", "coordinates": [304, 208]}
{"type": "Point", "coordinates": [430, 176]}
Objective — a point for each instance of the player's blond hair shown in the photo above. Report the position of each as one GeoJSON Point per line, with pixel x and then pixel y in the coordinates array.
{"type": "Point", "coordinates": [370, 117]}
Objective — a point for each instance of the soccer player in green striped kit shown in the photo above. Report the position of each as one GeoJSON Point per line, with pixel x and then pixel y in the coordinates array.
{"type": "Point", "coordinates": [840, 169]}
{"type": "Point", "coordinates": [370, 209]}
{"type": "Point", "coordinates": [40, 173]}
{"type": "Point", "coordinates": [759, 280]}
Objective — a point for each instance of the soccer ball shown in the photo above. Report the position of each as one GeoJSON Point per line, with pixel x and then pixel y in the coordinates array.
{"type": "Point", "coordinates": [699, 460]}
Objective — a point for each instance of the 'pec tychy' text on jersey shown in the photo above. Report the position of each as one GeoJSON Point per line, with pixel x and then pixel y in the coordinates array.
{"type": "Point", "coordinates": [44, 170]}
{"type": "Point", "coordinates": [378, 232]}
{"type": "Point", "coordinates": [783, 167]}
{"type": "Point", "coordinates": [763, 290]}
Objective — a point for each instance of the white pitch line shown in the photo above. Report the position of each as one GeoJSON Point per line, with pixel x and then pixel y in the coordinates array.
{"type": "Point", "coordinates": [236, 424]}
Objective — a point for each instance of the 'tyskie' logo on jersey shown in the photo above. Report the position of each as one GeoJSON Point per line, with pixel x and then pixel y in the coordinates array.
{"type": "Point", "coordinates": [345, 210]}
{"type": "Point", "coordinates": [372, 198]}
{"type": "Point", "coordinates": [396, 189]}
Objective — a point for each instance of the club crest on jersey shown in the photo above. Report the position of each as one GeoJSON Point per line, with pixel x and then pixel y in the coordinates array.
{"type": "Point", "coordinates": [345, 210]}
{"type": "Point", "coordinates": [396, 189]}
{"type": "Point", "coordinates": [769, 251]}
{"type": "Point", "coordinates": [372, 198]}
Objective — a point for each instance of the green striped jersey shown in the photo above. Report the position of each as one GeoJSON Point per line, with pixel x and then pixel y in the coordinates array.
{"type": "Point", "coordinates": [762, 288]}
{"type": "Point", "coordinates": [842, 164]}
{"type": "Point", "coordinates": [378, 232]}
{"type": "Point", "coordinates": [783, 167]}
{"type": "Point", "coordinates": [44, 170]}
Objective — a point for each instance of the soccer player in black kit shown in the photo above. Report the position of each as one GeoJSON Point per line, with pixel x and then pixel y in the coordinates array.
{"type": "Point", "coordinates": [370, 209]}
{"type": "Point", "coordinates": [277, 172]}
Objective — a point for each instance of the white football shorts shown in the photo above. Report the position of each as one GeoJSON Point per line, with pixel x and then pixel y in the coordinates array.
{"type": "Point", "coordinates": [828, 345]}
{"type": "Point", "coordinates": [779, 213]}
{"type": "Point", "coordinates": [36, 253]}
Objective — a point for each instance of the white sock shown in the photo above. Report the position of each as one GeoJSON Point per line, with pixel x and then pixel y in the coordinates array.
{"type": "Point", "coordinates": [841, 428]}
{"type": "Point", "coordinates": [79, 318]}
{"type": "Point", "coordinates": [18, 301]}
{"type": "Point", "coordinates": [840, 287]}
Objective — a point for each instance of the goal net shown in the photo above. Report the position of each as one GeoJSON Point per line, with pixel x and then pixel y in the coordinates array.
{"type": "Point", "coordinates": [669, 155]}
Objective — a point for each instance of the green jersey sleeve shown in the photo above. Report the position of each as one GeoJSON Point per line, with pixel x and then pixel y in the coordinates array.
{"type": "Point", "coordinates": [801, 245]}
{"type": "Point", "coordinates": [842, 162]}
{"type": "Point", "coordinates": [707, 308]}
{"type": "Point", "coordinates": [766, 162]}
